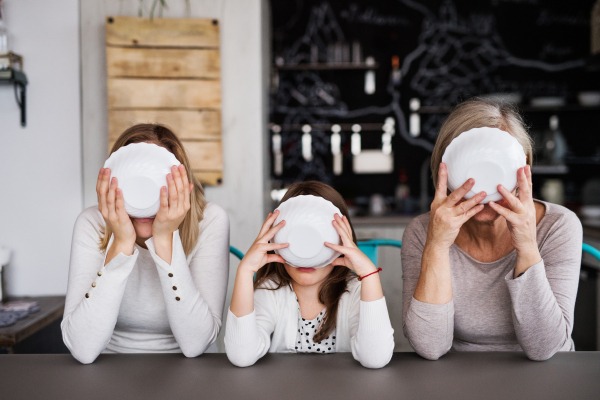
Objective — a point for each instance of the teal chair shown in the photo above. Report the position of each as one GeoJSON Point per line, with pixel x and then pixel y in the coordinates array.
{"type": "Point", "coordinates": [236, 252]}
{"type": "Point", "coordinates": [369, 247]}
{"type": "Point", "coordinates": [591, 250]}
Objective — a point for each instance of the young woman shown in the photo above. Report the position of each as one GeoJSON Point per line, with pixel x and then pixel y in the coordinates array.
{"type": "Point", "coordinates": [152, 284]}
{"type": "Point", "coordinates": [308, 310]}
{"type": "Point", "coordinates": [496, 277]}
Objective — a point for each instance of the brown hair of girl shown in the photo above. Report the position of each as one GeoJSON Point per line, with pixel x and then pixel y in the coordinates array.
{"type": "Point", "coordinates": [336, 282]}
{"type": "Point", "coordinates": [164, 137]}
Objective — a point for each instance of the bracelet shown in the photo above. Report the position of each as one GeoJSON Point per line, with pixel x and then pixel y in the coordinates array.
{"type": "Point", "coordinates": [360, 278]}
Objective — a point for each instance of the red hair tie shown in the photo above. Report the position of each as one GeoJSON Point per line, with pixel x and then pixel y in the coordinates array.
{"type": "Point", "coordinates": [360, 278]}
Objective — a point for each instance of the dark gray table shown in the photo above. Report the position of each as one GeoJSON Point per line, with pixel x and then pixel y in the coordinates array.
{"type": "Point", "coordinates": [288, 376]}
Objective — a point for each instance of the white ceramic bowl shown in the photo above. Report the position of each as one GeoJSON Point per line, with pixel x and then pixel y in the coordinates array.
{"type": "Point", "coordinates": [141, 169]}
{"type": "Point", "coordinates": [307, 228]}
{"type": "Point", "coordinates": [488, 155]}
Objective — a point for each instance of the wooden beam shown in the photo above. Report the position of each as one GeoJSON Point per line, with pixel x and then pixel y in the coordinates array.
{"type": "Point", "coordinates": [158, 93]}
{"type": "Point", "coordinates": [210, 178]}
{"type": "Point", "coordinates": [205, 155]}
{"type": "Point", "coordinates": [163, 63]}
{"type": "Point", "coordinates": [162, 32]}
{"type": "Point", "coordinates": [186, 124]}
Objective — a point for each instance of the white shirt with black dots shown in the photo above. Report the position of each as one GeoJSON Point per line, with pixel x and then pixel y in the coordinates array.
{"type": "Point", "coordinates": [306, 331]}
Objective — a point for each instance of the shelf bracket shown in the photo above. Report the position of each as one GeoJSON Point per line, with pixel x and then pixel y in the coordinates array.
{"type": "Point", "coordinates": [21, 97]}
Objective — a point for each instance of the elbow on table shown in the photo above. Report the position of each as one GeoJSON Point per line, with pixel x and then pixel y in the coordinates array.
{"type": "Point", "coordinates": [376, 362]}
{"type": "Point", "coordinates": [540, 354]}
{"type": "Point", "coordinates": [80, 353]}
{"type": "Point", "coordinates": [431, 354]}
{"type": "Point", "coordinates": [240, 360]}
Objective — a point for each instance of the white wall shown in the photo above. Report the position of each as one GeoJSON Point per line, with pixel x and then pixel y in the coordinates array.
{"type": "Point", "coordinates": [244, 63]}
{"type": "Point", "coordinates": [40, 182]}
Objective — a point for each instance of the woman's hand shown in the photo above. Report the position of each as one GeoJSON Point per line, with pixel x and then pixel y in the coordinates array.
{"type": "Point", "coordinates": [174, 206]}
{"type": "Point", "coordinates": [521, 219]}
{"type": "Point", "coordinates": [448, 214]}
{"type": "Point", "coordinates": [112, 207]}
{"type": "Point", "coordinates": [354, 258]}
{"type": "Point", "coordinates": [172, 211]}
{"type": "Point", "coordinates": [257, 255]}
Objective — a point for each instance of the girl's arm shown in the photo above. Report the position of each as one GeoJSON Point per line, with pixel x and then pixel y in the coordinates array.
{"type": "Point", "coordinates": [97, 281]}
{"type": "Point", "coordinates": [372, 335]}
{"type": "Point", "coordinates": [194, 292]}
{"type": "Point", "coordinates": [250, 324]}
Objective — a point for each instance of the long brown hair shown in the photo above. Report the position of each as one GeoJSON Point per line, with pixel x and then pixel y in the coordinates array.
{"type": "Point", "coordinates": [163, 136]}
{"type": "Point", "coordinates": [336, 282]}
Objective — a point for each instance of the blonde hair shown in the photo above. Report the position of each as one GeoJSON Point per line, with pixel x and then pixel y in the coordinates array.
{"type": "Point", "coordinates": [479, 113]}
{"type": "Point", "coordinates": [163, 136]}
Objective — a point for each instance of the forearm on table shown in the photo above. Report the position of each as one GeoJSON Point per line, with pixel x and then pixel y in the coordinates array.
{"type": "Point", "coordinates": [373, 344]}
{"type": "Point", "coordinates": [88, 326]}
{"type": "Point", "coordinates": [435, 280]}
{"type": "Point", "coordinates": [541, 325]}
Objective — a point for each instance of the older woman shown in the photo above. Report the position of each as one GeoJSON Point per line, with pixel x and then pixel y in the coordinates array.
{"type": "Point", "coordinates": [496, 277]}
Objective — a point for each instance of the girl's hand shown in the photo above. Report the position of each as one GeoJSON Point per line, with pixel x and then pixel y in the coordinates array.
{"type": "Point", "coordinates": [521, 218]}
{"type": "Point", "coordinates": [257, 256]}
{"type": "Point", "coordinates": [175, 207]}
{"type": "Point", "coordinates": [112, 207]}
{"type": "Point", "coordinates": [447, 217]}
{"type": "Point", "coordinates": [353, 258]}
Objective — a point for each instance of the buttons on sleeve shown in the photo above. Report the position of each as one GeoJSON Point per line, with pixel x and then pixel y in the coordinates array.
{"type": "Point", "coordinates": [99, 273]}
{"type": "Point", "coordinates": [174, 287]}
{"type": "Point", "coordinates": [87, 295]}
{"type": "Point", "coordinates": [170, 275]}
{"type": "Point", "coordinates": [177, 298]}
{"type": "Point", "coordinates": [93, 284]}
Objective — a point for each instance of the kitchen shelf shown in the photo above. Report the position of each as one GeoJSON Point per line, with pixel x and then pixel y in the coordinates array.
{"type": "Point", "coordinates": [368, 127]}
{"type": "Point", "coordinates": [326, 66]}
{"type": "Point", "coordinates": [573, 107]}
{"type": "Point", "coordinates": [19, 80]}
{"type": "Point", "coordinates": [550, 169]}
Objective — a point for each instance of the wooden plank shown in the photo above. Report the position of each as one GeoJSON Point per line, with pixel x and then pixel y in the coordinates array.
{"type": "Point", "coordinates": [162, 32]}
{"type": "Point", "coordinates": [51, 309]}
{"type": "Point", "coordinates": [205, 155]}
{"type": "Point", "coordinates": [155, 93]}
{"type": "Point", "coordinates": [186, 124]}
{"type": "Point", "coordinates": [163, 63]}
{"type": "Point", "coordinates": [210, 178]}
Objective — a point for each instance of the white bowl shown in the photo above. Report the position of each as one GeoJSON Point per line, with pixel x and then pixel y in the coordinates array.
{"type": "Point", "coordinates": [307, 228]}
{"type": "Point", "coordinates": [141, 169]}
{"type": "Point", "coordinates": [488, 155]}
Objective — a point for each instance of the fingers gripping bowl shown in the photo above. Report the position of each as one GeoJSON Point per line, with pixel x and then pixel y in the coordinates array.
{"type": "Point", "coordinates": [141, 170]}
{"type": "Point", "coordinates": [490, 156]}
{"type": "Point", "coordinates": [307, 227]}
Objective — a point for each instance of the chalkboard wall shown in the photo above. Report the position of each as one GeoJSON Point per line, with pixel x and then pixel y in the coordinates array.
{"type": "Point", "coordinates": [448, 51]}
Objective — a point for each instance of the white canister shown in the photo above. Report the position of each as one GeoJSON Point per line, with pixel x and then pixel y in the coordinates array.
{"type": "Point", "coordinates": [4, 260]}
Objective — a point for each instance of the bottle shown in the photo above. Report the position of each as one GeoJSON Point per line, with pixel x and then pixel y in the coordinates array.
{"type": "Point", "coordinates": [555, 146]}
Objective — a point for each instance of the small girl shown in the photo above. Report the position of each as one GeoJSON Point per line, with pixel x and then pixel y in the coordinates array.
{"type": "Point", "coordinates": [308, 310]}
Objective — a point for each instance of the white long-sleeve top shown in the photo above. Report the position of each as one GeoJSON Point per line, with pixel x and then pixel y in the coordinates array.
{"type": "Point", "coordinates": [140, 303]}
{"type": "Point", "coordinates": [363, 328]}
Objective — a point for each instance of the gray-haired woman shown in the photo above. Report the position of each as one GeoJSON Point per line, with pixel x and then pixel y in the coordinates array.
{"type": "Point", "coordinates": [496, 277]}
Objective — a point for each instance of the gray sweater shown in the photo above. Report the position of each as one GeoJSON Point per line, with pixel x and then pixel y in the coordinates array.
{"type": "Point", "coordinates": [490, 310]}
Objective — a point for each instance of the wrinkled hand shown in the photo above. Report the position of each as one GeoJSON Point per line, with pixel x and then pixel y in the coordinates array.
{"type": "Point", "coordinates": [521, 215]}
{"type": "Point", "coordinates": [257, 256]}
{"type": "Point", "coordinates": [112, 207]}
{"type": "Point", "coordinates": [174, 206]}
{"type": "Point", "coordinates": [447, 216]}
{"type": "Point", "coordinates": [354, 258]}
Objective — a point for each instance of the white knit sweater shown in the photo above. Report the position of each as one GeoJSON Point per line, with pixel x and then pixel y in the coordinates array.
{"type": "Point", "coordinates": [363, 328]}
{"type": "Point", "coordinates": [139, 303]}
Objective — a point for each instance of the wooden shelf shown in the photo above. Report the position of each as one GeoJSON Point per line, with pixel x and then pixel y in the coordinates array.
{"type": "Point", "coordinates": [325, 66]}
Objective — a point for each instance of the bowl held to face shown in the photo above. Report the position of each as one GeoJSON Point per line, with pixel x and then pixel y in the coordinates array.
{"type": "Point", "coordinates": [307, 227]}
{"type": "Point", "coordinates": [141, 170]}
{"type": "Point", "coordinates": [488, 155]}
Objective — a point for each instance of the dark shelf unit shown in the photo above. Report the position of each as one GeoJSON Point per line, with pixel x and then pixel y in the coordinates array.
{"type": "Point", "coordinates": [19, 80]}
{"type": "Point", "coordinates": [527, 109]}
{"type": "Point", "coordinates": [326, 66]}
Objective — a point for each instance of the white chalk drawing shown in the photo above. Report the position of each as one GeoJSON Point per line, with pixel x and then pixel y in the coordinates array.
{"type": "Point", "coordinates": [455, 56]}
